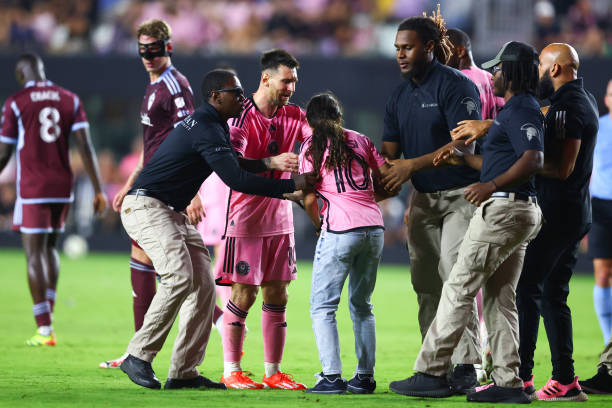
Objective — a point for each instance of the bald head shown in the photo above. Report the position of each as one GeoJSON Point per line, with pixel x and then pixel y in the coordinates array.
{"type": "Point", "coordinates": [29, 67]}
{"type": "Point", "coordinates": [563, 55]}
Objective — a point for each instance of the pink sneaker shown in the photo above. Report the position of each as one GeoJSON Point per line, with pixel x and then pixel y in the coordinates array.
{"type": "Point", "coordinates": [530, 390]}
{"type": "Point", "coordinates": [555, 391]}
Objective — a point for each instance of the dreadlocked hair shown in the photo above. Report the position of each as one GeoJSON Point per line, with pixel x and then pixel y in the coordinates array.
{"type": "Point", "coordinates": [521, 76]}
{"type": "Point", "coordinates": [431, 28]}
{"type": "Point", "coordinates": [324, 115]}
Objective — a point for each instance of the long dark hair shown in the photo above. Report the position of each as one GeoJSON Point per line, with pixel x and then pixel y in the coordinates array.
{"type": "Point", "coordinates": [324, 115]}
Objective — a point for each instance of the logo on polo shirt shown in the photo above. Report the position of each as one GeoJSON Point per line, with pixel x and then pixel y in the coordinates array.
{"type": "Point", "coordinates": [470, 105]}
{"type": "Point", "coordinates": [429, 105]}
{"type": "Point", "coordinates": [242, 268]}
{"type": "Point", "coordinates": [530, 131]}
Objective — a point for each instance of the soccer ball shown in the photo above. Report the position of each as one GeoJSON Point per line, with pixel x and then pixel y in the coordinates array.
{"type": "Point", "coordinates": [75, 246]}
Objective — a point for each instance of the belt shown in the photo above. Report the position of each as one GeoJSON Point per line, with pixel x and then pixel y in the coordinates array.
{"type": "Point", "coordinates": [515, 196]}
{"type": "Point", "coordinates": [147, 193]}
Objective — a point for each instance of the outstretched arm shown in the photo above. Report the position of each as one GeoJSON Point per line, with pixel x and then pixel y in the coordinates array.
{"type": "Point", "coordinates": [90, 162]}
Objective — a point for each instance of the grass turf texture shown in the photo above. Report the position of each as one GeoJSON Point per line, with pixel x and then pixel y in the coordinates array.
{"type": "Point", "coordinates": [94, 323]}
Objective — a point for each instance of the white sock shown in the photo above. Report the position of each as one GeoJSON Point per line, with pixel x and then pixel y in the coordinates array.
{"type": "Point", "coordinates": [219, 326]}
{"type": "Point", "coordinates": [271, 368]}
{"type": "Point", "coordinates": [45, 330]}
{"type": "Point", "coordinates": [230, 366]}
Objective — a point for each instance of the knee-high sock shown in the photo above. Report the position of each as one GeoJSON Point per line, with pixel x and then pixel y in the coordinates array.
{"type": "Point", "coordinates": [143, 289]}
{"type": "Point", "coordinates": [233, 332]}
{"type": "Point", "coordinates": [602, 298]}
{"type": "Point", "coordinates": [50, 296]}
{"type": "Point", "coordinates": [217, 313]}
{"type": "Point", "coordinates": [274, 330]}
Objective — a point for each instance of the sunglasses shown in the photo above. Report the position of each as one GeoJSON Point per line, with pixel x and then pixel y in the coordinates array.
{"type": "Point", "coordinates": [495, 69]}
{"type": "Point", "coordinates": [238, 91]}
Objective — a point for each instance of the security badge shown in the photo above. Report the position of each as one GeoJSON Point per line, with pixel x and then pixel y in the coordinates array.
{"type": "Point", "coordinates": [470, 105]}
{"type": "Point", "coordinates": [530, 131]}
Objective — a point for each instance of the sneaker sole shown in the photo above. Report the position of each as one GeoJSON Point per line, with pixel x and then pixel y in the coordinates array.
{"type": "Point", "coordinates": [356, 390]}
{"type": "Point", "coordinates": [432, 394]}
{"type": "Point", "coordinates": [581, 397]}
{"type": "Point", "coordinates": [589, 390]}
{"type": "Point", "coordinates": [326, 392]}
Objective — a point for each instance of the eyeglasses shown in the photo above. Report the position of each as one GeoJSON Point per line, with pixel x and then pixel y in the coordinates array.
{"type": "Point", "coordinates": [495, 69]}
{"type": "Point", "coordinates": [238, 91]}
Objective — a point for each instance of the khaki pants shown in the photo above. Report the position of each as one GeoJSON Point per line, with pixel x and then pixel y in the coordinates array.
{"type": "Point", "coordinates": [186, 288]}
{"type": "Point", "coordinates": [491, 257]}
{"type": "Point", "coordinates": [606, 358]}
{"type": "Point", "coordinates": [436, 226]}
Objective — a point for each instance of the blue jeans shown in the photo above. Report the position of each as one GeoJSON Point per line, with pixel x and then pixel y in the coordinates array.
{"type": "Point", "coordinates": [355, 254]}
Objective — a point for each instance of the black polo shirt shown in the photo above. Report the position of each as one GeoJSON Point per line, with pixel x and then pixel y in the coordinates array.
{"type": "Point", "coordinates": [572, 114]}
{"type": "Point", "coordinates": [420, 118]}
{"type": "Point", "coordinates": [199, 145]}
{"type": "Point", "coordinates": [519, 126]}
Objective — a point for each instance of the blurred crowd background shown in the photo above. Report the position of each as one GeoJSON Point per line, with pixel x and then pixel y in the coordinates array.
{"type": "Point", "coordinates": [86, 43]}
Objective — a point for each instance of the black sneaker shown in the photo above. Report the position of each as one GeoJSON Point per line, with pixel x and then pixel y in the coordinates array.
{"type": "Point", "coordinates": [422, 385]}
{"type": "Point", "coordinates": [140, 372]}
{"type": "Point", "coordinates": [197, 382]}
{"type": "Point", "coordinates": [463, 379]}
{"type": "Point", "coordinates": [493, 393]}
{"type": "Point", "coordinates": [329, 384]}
{"type": "Point", "coordinates": [600, 383]}
{"type": "Point", "coordinates": [362, 384]}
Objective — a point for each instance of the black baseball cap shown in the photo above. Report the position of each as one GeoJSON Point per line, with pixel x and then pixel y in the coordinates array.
{"type": "Point", "coordinates": [513, 51]}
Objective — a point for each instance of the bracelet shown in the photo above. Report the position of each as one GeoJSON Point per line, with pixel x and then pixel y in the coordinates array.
{"type": "Point", "coordinates": [494, 184]}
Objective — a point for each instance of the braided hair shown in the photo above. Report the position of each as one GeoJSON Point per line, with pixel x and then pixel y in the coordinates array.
{"type": "Point", "coordinates": [324, 116]}
{"type": "Point", "coordinates": [431, 28]}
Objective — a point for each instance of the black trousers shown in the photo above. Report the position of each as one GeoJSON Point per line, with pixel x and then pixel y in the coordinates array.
{"type": "Point", "coordinates": [544, 286]}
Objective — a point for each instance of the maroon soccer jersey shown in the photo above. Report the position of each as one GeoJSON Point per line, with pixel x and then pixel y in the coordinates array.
{"type": "Point", "coordinates": [38, 119]}
{"type": "Point", "coordinates": [166, 102]}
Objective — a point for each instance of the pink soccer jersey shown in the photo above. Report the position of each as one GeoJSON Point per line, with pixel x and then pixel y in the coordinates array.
{"type": "Point", "coordinates": [490, 104]}
{"type": "Point", "coordinates": [254, 136]}
{"type": "Point", "coordinates": [166, 103]}
{"type": "Point", "coordinates": [213, 194]}
{"type": "Point", "coordinates": [347, 193]}
{"type": "Point", "coordinates": [38, 119]}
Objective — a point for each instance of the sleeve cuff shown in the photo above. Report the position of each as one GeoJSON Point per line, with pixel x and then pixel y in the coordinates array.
{"type": "Point", "coordinates": [8, 140]}
{"type": "Point", "coordinates": [79, 125]}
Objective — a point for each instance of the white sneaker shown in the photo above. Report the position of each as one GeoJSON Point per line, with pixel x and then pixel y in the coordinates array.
{"type": "Point", "coordinates": [113, 363]}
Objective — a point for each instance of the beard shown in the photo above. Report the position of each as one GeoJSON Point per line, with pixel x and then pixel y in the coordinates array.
{"type": "Point", "coordinates": [545, 86]}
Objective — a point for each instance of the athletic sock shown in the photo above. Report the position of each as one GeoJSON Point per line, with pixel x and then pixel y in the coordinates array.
{"type": "Point", "coordinates": [42, 314]}
{"type": "Point", "coordinates": [143, 289]}
{"type": "Point", "coordinates": [45, 330]}
{"type": "Point", "coordinates": [50, 296]}
{"type": "Point", "coordinates": [217, 313]}
{"type": "Point", "coordinates": [271, 368]}
{"type": "Point", "coordinates": [233, 332]}
{"type": "Point", "coordinates": [274, 330]}
{"type": "Point", "coordinates": [229, 367]}
{"type": "Point", "coordinates": [602, 299]}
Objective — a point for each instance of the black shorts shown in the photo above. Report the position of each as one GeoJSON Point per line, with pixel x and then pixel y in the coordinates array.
{"type": "Point", "coordinates": [600, 236]}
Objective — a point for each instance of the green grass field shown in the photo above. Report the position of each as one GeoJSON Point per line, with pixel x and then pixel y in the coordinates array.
{"type": "Point", "coordinates": [93, 322]}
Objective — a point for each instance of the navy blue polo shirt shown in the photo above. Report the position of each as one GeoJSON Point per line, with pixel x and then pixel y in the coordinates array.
{"type": "Point", "coordinates": [518, 127]}
{"type": "Point", "coordinates": [572, 114]}
{"type": "Point", "coordinates": [199, 145]}
{"type": "Point", "coordinates": [420, 117]}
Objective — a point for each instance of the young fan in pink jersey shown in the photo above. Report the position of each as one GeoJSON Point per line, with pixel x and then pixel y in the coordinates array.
{"type": "Point", "coordinates": [350, 243]}
{"type": "Point", "coordinates": [259, 248]}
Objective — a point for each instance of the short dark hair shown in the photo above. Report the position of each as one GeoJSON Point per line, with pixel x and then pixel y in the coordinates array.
{"type": "Point", "coordinates": [272, 59]}
{"type": "Point", "coordinates": [428, 30]}
{"type": "Point", "coordinates": [459, 37]}
{"type": "Point", "coordinates": [31, 59]}
{"type": "Point", "coordinates": [214, 80]}
{"type": "Point", "coordinates": [522, 74]}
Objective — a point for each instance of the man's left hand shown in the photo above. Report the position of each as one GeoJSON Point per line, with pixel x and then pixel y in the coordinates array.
{"type": "Point", "coordinates": [195, 211]}
{"type": "Point", "coordinates": [479, 192]}
{"type": "Point", "coordinates": [284, 162]}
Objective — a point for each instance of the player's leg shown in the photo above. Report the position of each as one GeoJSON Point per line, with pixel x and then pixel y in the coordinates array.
{"type": "Point", "coordinates": [52, 264]}
{"type": "Point", "coordinates": [142, 273]}
{"type": "Point", "coordinates": [602, 295]}
{"type": "Point", "coordinates": [362, 280]}
{"type": "Point", "coordinates": [34, 245]}
{"type": "Point", "coordinates": [333, 260]}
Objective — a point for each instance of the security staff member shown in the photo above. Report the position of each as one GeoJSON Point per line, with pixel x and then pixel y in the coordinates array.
{"type": "Point", "coordinates": [491, 254]}
{"type": "Point", "coordinates": [419, 114]}
{"type": "Point", "coordinates": [153, 215]}
{"type": "Point", "coordinates": [563, 194]}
